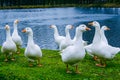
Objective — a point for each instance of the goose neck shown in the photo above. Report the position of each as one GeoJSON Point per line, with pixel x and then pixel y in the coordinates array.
{"type": "Point", "coordinates": [56, 32]}
{"type": "Point", "coordinates": [67, 34]}
{"type": "Point", "coordinates": [75, 36]}
{"type": "Point", "coordinates": [8, 36]}
{"type": "Point", "coordinates": [15, 26]}
{"type": "Point", "coordinates": [97, 35]}
{"type": "Point", "coordinates": [103, 37]}
{"type": "Point", "coordinates": [78, 40]}
{"type": "Point", "coordinates": [30, 39]}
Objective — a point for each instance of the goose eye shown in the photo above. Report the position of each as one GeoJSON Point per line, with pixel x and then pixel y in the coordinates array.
{"type": "Point", "coordinates": [82, 26]}
{"type": "Point", "coordinates": [27, 29]}
{"type": "Point", "coordinates": [94, 22]}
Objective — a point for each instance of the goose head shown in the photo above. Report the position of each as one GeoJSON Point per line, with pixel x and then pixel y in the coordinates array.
{"type": "Point", "coordinates": [69, 27]}
{"type": "Point", "coordinates": [28, 30]}
{"type": "Point", "coordinates": [53, 26]}
{"type": "Point", "coordinates": [7, 27]}
{"type": "Point", "coordinates": [16, 21]}
{"type": "Point", "coordinates": [105, 28]}
{"type": "Point", "coordinates": [83, 28]}
{"type": "Point", "coordinates": [94, 23]}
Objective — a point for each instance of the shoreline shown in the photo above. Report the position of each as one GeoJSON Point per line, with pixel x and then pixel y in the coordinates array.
{"type": "Point", "coordinates": [108, 5]}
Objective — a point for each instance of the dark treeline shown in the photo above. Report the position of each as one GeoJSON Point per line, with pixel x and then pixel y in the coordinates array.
{"type": "Point", "coordinates": [52, 2]}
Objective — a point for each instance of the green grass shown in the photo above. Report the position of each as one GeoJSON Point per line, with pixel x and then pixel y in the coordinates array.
{"type": "Point", "coordinates": [54, 69]}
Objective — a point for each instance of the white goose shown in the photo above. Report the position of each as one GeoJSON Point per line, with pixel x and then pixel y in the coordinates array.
{"type": "Point", "coordinates": [74, 53]}
{"type": "Point", "coordinates": [102, 30]}
{"type": "Point", "coordinates": [67, 41]}
{"type": "Point", "coordinates": [32, 51]}
{"type": "Point", "coordinates": [84, 42]}
{"type": "Point", "coordinates": [8, 47]}
{"type": "Point", "coordinates": [96, 39]}
{"type": "Point", "coordinates": [57, 37]}
{"type": "Point", "coordinates": [104, 51]}
{"type": "Point", "coordinates": [15, 36]}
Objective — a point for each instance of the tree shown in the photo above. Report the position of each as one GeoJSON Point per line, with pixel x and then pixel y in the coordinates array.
{"type": "Point", "coordinates": [52, 2]}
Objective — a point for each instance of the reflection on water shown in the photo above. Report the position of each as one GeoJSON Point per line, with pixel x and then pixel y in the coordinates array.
{"type": "Point", "coordinates": [40, 19]}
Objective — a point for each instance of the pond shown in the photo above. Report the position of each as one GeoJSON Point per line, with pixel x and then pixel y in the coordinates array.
{"type": "Point", "coordinates": [40, 19]}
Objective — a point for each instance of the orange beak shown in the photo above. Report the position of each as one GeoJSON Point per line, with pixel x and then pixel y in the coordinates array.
{"type": "Point", "coordinates": [6, 27]}
{"type": "Point", "coordinates": [107, 28]}
{"type": "Point", "coordinates": [18, 21]}
{"type": "Point", "coordinates": [91, 23]}
{"type": "Point", "coordinates": [72, 27]}
{"type": "Point", "coordinates": [23, 30]}
{"type": "Point", "coordinates": [88, 29]}
{"type": "Point", "coordinates": [50, 26]}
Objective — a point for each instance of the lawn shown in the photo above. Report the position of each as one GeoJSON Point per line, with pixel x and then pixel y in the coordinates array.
{"type": "Point", "coordinates": [54, 69]}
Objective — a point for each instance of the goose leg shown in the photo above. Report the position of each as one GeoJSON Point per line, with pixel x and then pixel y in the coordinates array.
{"type": "Point", "coordinates": [102, 63]}
{"type": "Point", "coordinates": [18, 49]}
{"type": "Point", "coordinates": [95, 58]}
{"type": "Point", "coordinates": [30, 64]}
{"type": "Point", "coordinates": [39, 62]}
{"type": "Point", "coordinates": [76, 68]}
{"type": "Point", "coordinates": [12, 57]}
{"type": "Point", "coordinates": [6, 58]}
{"type": "Point", "coordinates": [67, 70]}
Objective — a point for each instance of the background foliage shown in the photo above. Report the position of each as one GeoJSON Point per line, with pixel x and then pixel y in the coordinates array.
{"type": "Point", "coordinates": [4, 3]}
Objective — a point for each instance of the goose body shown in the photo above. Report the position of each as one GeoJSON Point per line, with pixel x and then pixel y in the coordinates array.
{"type": "Point", "coordinates": [85, 43]}
{"type": "Point", "coordinates": [67, 41]}
{"type": "Point", "coordinates": [104, 50]}
{"type": "Point", "coordinates": [15, 36]}
{"type": "Point", "coordinates": [32, 51]}
{"type": "Point", "coordinates": [76, 52]}
{"type": "Point", "coordinates": [57, 37]}
{"type": "Point", "coordinates": [90, 48]}
{"type": "Point", "coordinates": [8, 47]}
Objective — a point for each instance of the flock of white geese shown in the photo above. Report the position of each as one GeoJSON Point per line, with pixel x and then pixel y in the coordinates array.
{"type": "Point", "coordinates": [71, 50]}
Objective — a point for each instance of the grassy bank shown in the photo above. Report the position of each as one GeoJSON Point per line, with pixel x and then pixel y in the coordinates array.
{"type": "Point", "coordinates": [108, 5]}
{"type": "Point", "coordinates": [54, 69]}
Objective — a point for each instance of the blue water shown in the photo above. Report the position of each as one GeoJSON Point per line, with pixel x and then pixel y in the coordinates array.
{"type": "Point", "coordinates": [41, 18]}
